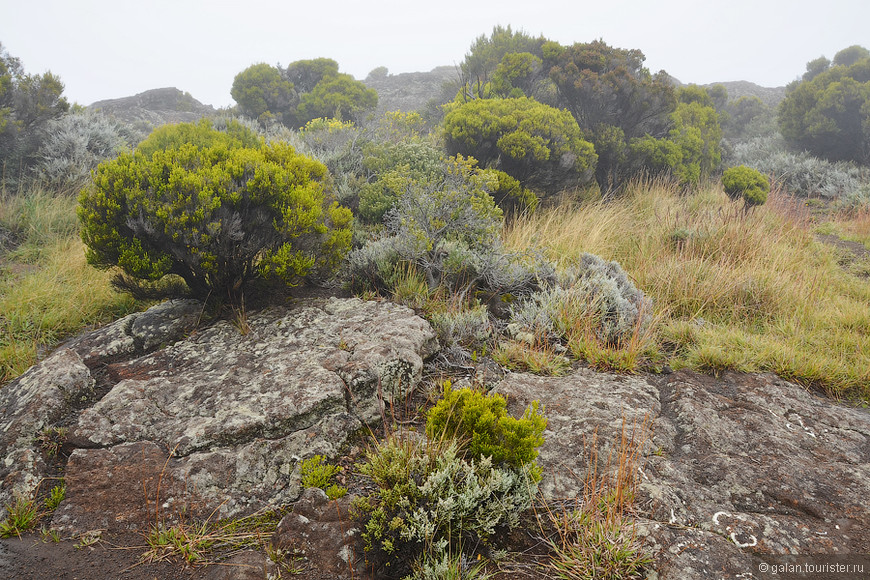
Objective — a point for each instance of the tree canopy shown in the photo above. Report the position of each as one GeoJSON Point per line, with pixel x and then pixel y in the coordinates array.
{"type": "Point", "coordinates": [27, 104]}
{"type": "Point", "coordinates": [828, 112]}
{"type": "Point", "coordinates": [305, 90]}
{"type": "Point", "coordinates": [263, 94]}
{"type": "Point", "coordinates": [539, 145]}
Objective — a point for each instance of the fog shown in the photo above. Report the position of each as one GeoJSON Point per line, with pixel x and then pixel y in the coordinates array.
{"type": "Point", "coordinates": [107, 49]}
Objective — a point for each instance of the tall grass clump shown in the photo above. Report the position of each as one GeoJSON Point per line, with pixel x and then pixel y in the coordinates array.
{"type": "Point", "coordinates": [732, 289]}
{"type": "Point", "coordinates": [47, 290]}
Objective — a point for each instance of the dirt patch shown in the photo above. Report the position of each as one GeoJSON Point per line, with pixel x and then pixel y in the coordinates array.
{"type": "Point", "coordinates": [853, 257]}
{"type": "Point", "coordinates": [119, 557]}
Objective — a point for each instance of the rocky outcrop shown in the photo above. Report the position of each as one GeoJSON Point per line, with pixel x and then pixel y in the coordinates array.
{"type": "Point", "coordinates": [739, 470]}
{"type": "Point", "coordinates": [413, 91]}
{"type": "Point", "coordinates": [165, 418]}
{"type": "Point", "coordinates": [155, 107]}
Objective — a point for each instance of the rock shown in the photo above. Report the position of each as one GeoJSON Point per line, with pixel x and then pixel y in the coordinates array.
{"type": "Point", "coordinates": [155, 107]}
{"type": "Point", "coordinates": [579, 407]}
{"type": "Point", "coordinates": [247, 565]}
{"type": "Point", "coordinates": [323, 533]}
{"type": "Point", "coordinates": [30, 404]}
{"type": "Point", "coordinates": [220, 421]}
{"type": "Point", "coordinates": [138, 333]}
{"type": "Point", "coordinates": [412, 91]}
{"type": "Point", "coordinates": [740, 469]}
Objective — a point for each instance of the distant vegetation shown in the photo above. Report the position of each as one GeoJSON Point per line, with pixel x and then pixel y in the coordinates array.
{"type": "Point", "coordinates": [305, 90]}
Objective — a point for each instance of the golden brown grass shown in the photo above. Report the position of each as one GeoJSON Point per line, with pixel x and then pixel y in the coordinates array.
{"type": "Point", "coordinates": [749, 291]}
{"type": "Point", "coordinates": [47, 289]}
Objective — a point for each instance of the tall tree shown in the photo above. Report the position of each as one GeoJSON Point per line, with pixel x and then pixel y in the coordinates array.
{"type": "Point", "coordinates": [305, 90]}
{"type": "Point", "coordinates": [263, 94]}
{"type": "Point", "coordinates": [27, 104]}
{"type": "Point", "coordinates": [487, 52]}
{"type": "Point", "coordinates": [829, 114]}
{"type": "Point", "coordinates": [613, 98]}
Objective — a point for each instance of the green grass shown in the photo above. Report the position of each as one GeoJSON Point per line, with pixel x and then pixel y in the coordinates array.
{"type": "Point", "coordinates": [47, 290]}
{"type": "Point", "coordinates": [732, 290]}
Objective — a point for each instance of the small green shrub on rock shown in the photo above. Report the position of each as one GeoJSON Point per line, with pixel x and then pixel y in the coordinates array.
{"type": "Point", "coordinates": [480, 422]}
{"type": "Point", "coordinates": [438, 499]}
{"type": "Point", "coordinates": [746, 183]}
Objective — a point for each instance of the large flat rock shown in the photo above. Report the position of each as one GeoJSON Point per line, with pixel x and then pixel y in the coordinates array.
{"type": "Point", "coordinates": [739, 470]}
{"type": "Point", "coordinates": [165, 417]}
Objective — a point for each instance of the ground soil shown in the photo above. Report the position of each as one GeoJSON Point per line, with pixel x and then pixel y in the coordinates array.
{"type": "Point", "coordinates": [31, 558]}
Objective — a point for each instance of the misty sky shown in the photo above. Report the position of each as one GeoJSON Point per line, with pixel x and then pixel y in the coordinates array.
{"type": "Point", "coordinates": [105, 49]}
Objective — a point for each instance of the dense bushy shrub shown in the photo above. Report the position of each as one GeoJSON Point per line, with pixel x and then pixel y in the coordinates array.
{"type": "Point", "coordinates": [391, 168]}
{"type": "Point", "coordinates": [538, 145]}
{"type": "Point", "coordinates": [593, 292]}
{"type": "Point", "coordinates": [208, 207]}
{"type": "Point", "coordinates": [454, 208]}
{"type": "Point", "coordinates": [74, 145]}
{"type": "Point", "coordinates": [745, 183]}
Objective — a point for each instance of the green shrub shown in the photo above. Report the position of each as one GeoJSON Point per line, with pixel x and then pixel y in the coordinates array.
{"type": "Point", "coordinates": [315, 473]}
{"type": "Point", "coordinates": [539, 145]}
{"type": "Point", "coordinates": [481, 425]}
{"type": "Point", "coordinates": [213, 210]}
{"type": "Point", "coordinates": [746, 183]}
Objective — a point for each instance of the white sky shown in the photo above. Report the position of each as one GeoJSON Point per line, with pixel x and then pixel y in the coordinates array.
{"type": "Point", "coordinates": [106, 49]}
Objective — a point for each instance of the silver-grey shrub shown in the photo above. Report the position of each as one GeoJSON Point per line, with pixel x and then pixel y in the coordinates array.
{"type": "Point", "coordinates": [464, 328]}
{"type": "Point", "coordinates": [75, 144]}
{"type": "Point", "coordinates": [592, 289]}
{"type": "Point", "coordinates": [803, 175]}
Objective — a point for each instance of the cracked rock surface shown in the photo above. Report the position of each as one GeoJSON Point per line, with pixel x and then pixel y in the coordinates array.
{"type": "Point", "coordinates": [740, 470]}
{"type": "Point", "coordinates": [164, 417]}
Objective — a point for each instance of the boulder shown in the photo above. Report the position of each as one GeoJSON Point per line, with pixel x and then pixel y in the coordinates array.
{"type": "Point", "coordinates": [738, 470]}
{"type": "Point", "coordinates": [323, 533]}
{"type": "Point", "coordinates": [169, 422]}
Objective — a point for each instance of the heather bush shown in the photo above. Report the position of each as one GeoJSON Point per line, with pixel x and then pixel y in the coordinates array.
{"type": "Point", "coordinates": [216, 209]}
{"type": "Point", "coordinates": [480, 423]}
